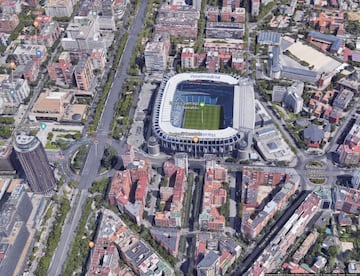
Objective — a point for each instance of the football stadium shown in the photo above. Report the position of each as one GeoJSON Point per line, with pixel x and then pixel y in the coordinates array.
{"type": "Point", "coordinates": [202, 113]}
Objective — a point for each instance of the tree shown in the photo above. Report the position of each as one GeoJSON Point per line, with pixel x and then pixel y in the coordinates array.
{"type": "Point", "coordinates": [50, 136]}
{"type": "Point", "coordinates": [109, 159]}
{"type": "Point", "coordinates": [333, 251]}
{"type": "Point", "coordinates": [308, 259]}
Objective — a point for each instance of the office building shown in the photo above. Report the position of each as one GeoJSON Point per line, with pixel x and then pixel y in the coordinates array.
{"type": "Point", "coordinates": [31, 71]}
{"type": "Point", "coordinates": [354, 267]}
{"type": "Point", "coordinates": [188, 58]}
{"type": "Point", "coordinates": [209, 265]}
{"type": "Point", "coordinates": [343, 99]}
{"type": "Point", "coordinates": [330, 43]}
{"type": "Point", "coordinates": [20, 88]}
{"type": "Point", "coordinates": [255, 7]}
{"type": "Point", "coordinates": [351, 82]}
{"type": "Point", "coordinates": [226, 14]}
{"type": "Point", "coordinates": [355, 180]}
{"type": "Point", "coordinates": [47, 32]}
{"type": "Point", "coordinates": [273, 255]}
{"type": "Point", "coordinates": [212, 62]}
{"type": "Point", "coordinates": [156, 53]}
{"type": "Point", "coordinates": [11, 6]}
{"type": "Point", "coordinates": [26, 52]}
{"type": "Point", "coordinates": [239, 15]}
{"type": "Point", "coordinates": [294, 102]}
{"type": "Point", "coordinates": [32, 3]}
{"type": "Point", "coordinates": [328, 22]}
{"type": "Point", "coordinates": [348, 154]}
{"type": "Point", "coordinates": [16, 208]}
{"type": "Point", "coordinates": [62, 72]}
{"type": "Point", "coordinates": [347, 200]}
{"type": "Point", "coordinates": [83, 34]}
{"type": "Point", "coordinates": [58, 106]}
{"type": "Point", "coordinates": [59, 8]}
{"type": "Point", "coordinates": [278, 93]}
{"type": "Point", "coordinates": [129, 188]}
{"type": "Point", "coordinates": [237, 61]}
{"type": "Point", "coordinates": [305, 246]}
{"type": "Point", "coordinates": [214, 196]}
{"type": "Point", "coordinates": [255, 181]}
{"type": "Point", "coordinates": [274, 66]}
{"type": "Point", "coordinates": [221, 30]}
{"type": "Point", "coordinates": [8, 22]}
{"type": "Point", "coordinates": [84, 75]}
{"type": "Point", "coordinates": [34, 162]}
{"type": "Point", "coordinates": [167, 238]}
{"type": "Point", "coordinates": [212, 14]}
{"type": "Point", "coordinates": [178, 21]}
{"type": "Point", "coordinates": [225, 46]}
{"type": "Point", "coordinates": [7, 160]}
{"type": "Point", "coordinates": [174, 196]}
{"type": "Point", "coordinates": [128, 156]}
{"type": "Point", "coordinates": [113, 240]}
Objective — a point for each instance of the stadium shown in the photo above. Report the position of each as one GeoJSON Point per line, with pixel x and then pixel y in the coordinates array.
{"type": "Point", "coordinates": [202, 113]}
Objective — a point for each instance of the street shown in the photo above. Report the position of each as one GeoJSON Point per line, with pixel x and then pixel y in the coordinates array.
{"type": "Point", "coordinates": [92, 163]}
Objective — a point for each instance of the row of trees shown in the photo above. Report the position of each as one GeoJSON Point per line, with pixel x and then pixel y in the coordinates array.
{"type": "Point", "coordinates": [80, 250]}
{"type": "Point", "coordinates": [352, 27]}
{"type": "Point", "coordinates": [54, 237]}
{"type": "Point", "coordinates": [101, 104]}
{"type": "Point", "coordinates": [199, 44]}
{"type": "Point", "coordinates": [136, 60]}
{"type": "Point", "coordinates": [121, 120]}
{"type": "Point", "coordinates": [80, 246]}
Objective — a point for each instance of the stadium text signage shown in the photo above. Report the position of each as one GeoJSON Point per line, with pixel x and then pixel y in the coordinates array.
{"type": "Point", "coordinates": [205, 76]}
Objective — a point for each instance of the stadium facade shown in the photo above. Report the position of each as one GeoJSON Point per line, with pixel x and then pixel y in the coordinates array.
{"type": "Point", "coordinates": [182, 91]}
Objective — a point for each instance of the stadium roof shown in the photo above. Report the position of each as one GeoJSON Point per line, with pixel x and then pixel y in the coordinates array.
{"type": "Point", "coordinates": [243, 109]}
{"type": "Point", "coordinates": [299, 71]}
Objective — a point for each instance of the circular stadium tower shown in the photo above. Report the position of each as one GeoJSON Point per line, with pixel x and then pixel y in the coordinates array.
{"type": "Point", "coordinates": [201, 113]}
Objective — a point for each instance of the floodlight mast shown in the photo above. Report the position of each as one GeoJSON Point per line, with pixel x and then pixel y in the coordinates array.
{"type": "Point", "coordinates": [202, 105]}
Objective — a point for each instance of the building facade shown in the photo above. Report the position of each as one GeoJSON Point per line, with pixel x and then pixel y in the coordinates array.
{"type": "Point", "coordinates": [34, 162]}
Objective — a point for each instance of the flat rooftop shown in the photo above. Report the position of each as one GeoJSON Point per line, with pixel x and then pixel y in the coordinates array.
{"type": "Point", "coordinates": [321, 62]}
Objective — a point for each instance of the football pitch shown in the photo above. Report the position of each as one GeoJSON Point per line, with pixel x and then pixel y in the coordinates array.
{"type": "Point", "coordinates": [208, 117]}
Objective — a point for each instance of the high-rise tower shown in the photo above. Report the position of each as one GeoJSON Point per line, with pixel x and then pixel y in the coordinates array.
{"type": "Point", "coordinates": [34, 162]}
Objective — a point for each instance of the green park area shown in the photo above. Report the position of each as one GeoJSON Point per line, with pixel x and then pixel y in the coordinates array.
{"type": "Point", "coordinates": [202, 116]}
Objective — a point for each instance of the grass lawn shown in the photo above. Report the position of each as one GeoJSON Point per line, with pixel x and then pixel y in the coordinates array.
{"type": "Point", "coordinates": [208, 117]}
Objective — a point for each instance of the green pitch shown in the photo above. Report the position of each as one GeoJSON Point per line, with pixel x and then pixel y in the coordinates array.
{"type": "Point", "coordinates": [207, 117]}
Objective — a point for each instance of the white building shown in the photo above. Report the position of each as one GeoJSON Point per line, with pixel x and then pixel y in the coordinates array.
{"type": "Point", "coordinates": [13, 93]}
{"type": "Point", "coordinates": [27, 52]}
{"type": "Point", "coordinates": [188, 58]}
{"type": "Point", "coordinates": [290, 97]}
{"type": "Point", "coordinates": [294, 102]}
{"type": "Point", "coordinates": [155, 56]}
{"type": "Point", "coordinates": [355, 181]}
{"type": "Point", "coordinates": [59, 8]}
{"type": "Point", "coordinates": [83, 34]}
